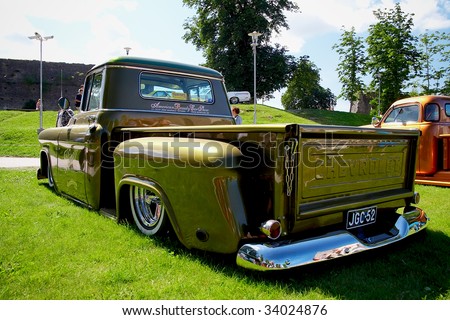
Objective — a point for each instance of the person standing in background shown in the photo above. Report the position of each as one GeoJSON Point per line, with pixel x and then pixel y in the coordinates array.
{"type": "Point", "coordinates": [38, 104]}
{"type": "Point", "coordinates": [237, 118]}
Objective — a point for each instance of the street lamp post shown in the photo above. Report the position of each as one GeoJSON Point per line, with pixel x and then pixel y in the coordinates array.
{"type": "Point", "coordinates": [254, 36]}
{"type": "Point", "coordinates": [37, 36]}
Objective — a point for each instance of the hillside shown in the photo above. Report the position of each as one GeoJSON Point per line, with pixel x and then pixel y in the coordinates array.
{"type": "Point", "coordinates": [18, 129]}
{"type": "Point", "coordinates": [267, 114]}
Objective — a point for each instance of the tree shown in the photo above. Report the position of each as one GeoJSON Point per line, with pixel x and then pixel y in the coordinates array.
{"type": "Point", "coordinates": [220, 28]}
{"type": "Point", "coordinates": [445, 60]}
{"type": "Point", "coordinates": [444, 52]}
{"type": "Point", "coordinates": [427, 46]}
{"type": "Point", "coordinates": [392, 55]}
{"type": "Point", "coordinates": [304, 90]}
{"type": "Point", "coordinates": [435, 61]}
{"type": "Point", "coordinates": [351, 66]}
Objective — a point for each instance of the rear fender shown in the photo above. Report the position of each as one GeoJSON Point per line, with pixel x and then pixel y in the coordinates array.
{"type": "Point", "coordinates": [184, 152]}
{"type": "Point", "coordinates": [123, 204]}
{"type": "Point", "coordinates": [199, 179]}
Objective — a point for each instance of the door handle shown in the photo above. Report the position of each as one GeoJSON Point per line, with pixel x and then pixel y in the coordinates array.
{"type": "Point", "coordinates": [91, 118]}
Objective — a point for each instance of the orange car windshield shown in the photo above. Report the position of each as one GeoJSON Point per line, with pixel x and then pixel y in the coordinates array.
{"type": "Point", "coordinates": [408, 113]}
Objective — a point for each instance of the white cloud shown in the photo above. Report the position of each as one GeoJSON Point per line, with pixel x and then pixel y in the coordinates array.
{"type": "Point", "coordinates": [322, 17]}
{"type": "Point", "coordinates": [27, 17]}
{"type": "Point", "coordinates": [318, 18]}
{"type": "Point", "coordinates": [69, 11]}
{"type": "Point", "coordinates": [107, 35]}
{"type": "Point", "coordinates": [431, 16]}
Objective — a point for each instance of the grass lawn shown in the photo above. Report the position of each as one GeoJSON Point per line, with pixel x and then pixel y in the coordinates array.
{"type": "Point", "coordinates": [54, 249]}
{"type": "Point", "coordinates": [18, 132]}
{"type": "Point", "coordinates": [50, 248]}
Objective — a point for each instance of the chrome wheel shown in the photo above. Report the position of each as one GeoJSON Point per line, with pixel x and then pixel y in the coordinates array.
{"type": "Point", "coordinates": [149, 212]}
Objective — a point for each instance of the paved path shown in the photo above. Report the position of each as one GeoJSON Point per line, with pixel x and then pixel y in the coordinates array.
{"type": "Point", "coordinates": [12, 162]}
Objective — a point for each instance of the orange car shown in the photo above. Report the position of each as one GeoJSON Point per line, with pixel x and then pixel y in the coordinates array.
{"type": "Point", "coordinates": [431, 115]}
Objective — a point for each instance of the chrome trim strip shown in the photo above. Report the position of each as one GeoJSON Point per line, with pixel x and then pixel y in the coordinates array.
{"type": "Point", "coordinates": [282, 255]}
{"type": "Point", "coordinates": [172, 113]}
{"type": "Point", "coordinates": [163, 71]}
{"type": "Point", "coordinates": [158, 113]}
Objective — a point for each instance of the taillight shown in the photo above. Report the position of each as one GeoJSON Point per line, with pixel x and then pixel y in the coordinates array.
{"type": "Point", "coordinates": [271, 228]}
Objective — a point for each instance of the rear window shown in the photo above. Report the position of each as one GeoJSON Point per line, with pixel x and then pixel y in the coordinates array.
{"type": "Point", "coordinates": [408, 113]}
{"type": "Point", "coordinates": [175, 88]}
{"type": "Point", "coordinates": [431, 112]}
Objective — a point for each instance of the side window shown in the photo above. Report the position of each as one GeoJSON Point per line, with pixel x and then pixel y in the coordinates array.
{"type": "Point", "coordinates": [92, 92]}
{"type": "Point", "coordinates": [431, 112]}
{"type": "Point", "coordinates": [447, 109]}
{"type": "Point", "coordinates": [86, 93]}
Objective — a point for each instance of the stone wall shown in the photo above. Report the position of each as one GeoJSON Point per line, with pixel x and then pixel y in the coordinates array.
{"type": "Point", "coordinates": [20, 83]}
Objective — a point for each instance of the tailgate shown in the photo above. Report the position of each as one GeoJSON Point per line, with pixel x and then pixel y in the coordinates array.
{"type": "Point", "coordinates": [346, 167]}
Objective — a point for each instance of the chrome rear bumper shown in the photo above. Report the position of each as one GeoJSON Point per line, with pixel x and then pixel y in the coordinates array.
{"type": "Point", "coordinates": [281, 255]}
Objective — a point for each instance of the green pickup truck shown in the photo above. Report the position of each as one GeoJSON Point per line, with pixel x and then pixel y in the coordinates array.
{"type": "Point", "coordinates": [155, 143]}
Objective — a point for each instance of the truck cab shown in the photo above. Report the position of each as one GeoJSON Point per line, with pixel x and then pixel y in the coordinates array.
{"type": "Point", "coordinates": [429, 114]}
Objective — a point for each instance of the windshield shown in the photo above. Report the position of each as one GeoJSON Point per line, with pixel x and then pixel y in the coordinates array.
{"type": "Point", "coordinates": [174, 87]}
{"type": "Point", "coordinates": [403, 114]}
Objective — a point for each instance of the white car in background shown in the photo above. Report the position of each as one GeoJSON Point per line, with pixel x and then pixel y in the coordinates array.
{"type": "Point", "coordinates": [236, 97]}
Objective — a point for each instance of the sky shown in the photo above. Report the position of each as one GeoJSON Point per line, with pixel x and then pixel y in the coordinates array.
{"type": "Point", "coordinates": [93, 31]}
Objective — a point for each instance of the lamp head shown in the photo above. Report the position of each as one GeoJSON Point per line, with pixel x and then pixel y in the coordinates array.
{"type": "Point", "coordinates": [254, 35]}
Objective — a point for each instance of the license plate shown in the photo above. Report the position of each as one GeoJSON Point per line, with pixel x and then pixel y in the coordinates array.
{"type": "Point", "coordinates": [361, 217]}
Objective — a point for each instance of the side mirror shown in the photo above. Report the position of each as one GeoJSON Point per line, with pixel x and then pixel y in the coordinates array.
{"type": "Point", "coordinates": [375, 121]}
{"type": "Point", "coordinates": [63, 103]}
